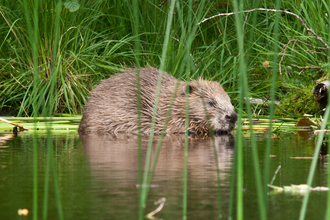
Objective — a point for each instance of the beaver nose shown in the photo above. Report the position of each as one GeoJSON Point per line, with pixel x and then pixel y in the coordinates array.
{"type": "Point", "coordinates": [232, 117]}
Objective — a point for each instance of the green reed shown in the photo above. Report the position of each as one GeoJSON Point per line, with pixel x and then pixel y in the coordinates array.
{"type": "Point", "coordinates": [235, 179]}
{"type": "Point", "coordinates": [32, 31]}
{"type": "Point", "coordinates": [313, 164]}
{"type": "Point", "coordinates": [239, 134]}
{"type": "Point", "coordinates": [76, 46]}
{"type": "Point", "coordinates": [98, 40]}
{"type": "Point", "coordinates": [40, 103]}
{"type": "Point", "coordinates": [314, 9]}
{"type": "Point", "coordinates": [317, 20]}
{"type": "Point", "coordinates": [328, 142]}
{"type": "Point", "coordinates": [272, 105]}
{"type": "Point", "coordinates": [143, 194]}
{"type": "Point", "coordinates": [244, 93]}
{"type": "Point", "coordinates": [135, 24]}
{"type": "Point", "coordinates": [65, 59]}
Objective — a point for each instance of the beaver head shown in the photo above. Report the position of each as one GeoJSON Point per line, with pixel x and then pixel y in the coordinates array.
{"type": "Point", "coordinates": [208, 102]}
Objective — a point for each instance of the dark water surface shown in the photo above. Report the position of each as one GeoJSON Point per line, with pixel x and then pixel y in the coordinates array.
{"type": "Point", "coordinates": [98, 177]}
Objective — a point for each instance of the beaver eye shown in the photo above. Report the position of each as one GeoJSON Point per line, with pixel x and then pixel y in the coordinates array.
{"type": "Point", "coordinates": [211, 103]}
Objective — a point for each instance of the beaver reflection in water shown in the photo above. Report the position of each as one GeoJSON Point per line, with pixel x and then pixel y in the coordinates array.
{"type": "Point", "coordinates": [112, 106]}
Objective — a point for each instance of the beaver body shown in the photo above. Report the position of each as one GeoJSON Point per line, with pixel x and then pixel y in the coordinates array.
{"type": "Point", "coordinates": [112, 106]}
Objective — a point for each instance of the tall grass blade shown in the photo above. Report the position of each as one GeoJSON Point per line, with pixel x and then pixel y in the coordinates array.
{"type": "Point", "coordinates": [55, 177]}
{"type": "Point", "coordinates": [143, 197]}
{"type": "Point", "coordinates": [239, 137]}
{"type": "Point", "coordinates": [159, 144]}
{"type": "Point", "coordinates": [233, 179]}
{"type": "Point", "coordinates": [328, 107]}
{"type": "Point", "coordinates": [33, 31]}
{"type": "Point", "coordinates": [135, 24]}
{"type": "Point", "coordinates": [46, 186]}
{"type": "Point", "coordinates": [35, 175]}
{"type": "Point", "coordinates": [318, 147]}
{"type": "Point", "coordinates": [272, 105]}
{"type": "Point", "coordinates": [243, 94]}
{"type": "Point", "coordinates": [239, 161]}
{"type": "Point", "coordinates": [313, 164]}
{"type": "Point", "coordinates": [185, 166]}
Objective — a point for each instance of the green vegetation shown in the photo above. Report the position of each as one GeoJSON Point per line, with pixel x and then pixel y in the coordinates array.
{"type": "Point", "coordinates": [76, 50]}
{"type": "Point", "coordinates": [299, 101]}
{"type": "Point", "coordinates": [53, 53]}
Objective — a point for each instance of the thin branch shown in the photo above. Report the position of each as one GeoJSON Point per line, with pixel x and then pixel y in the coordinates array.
{"type": "Point", "coordinates": [272, 10]}
{"type": "Point", "coordinates": [245, 20]}
{"type": "Point", "coordinates": [161, 203]}
{"type": "Point", "coordinates": [274, 176]}
{"type": "Point", "coordinates": [306, 67]}
{"type": "Point", "coordinates": [161, 4]}
{"type": "Point", "coordinates": [326, 46]}
{"type": "Point", "coordinates": [313, 51]}
{"type": "Point", "coordinates": [295, 41]}
{"type": "Point", "coordinates": [15, 124]}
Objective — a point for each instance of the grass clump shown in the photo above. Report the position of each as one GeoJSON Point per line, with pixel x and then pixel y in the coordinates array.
{"type": "Point", "coordinates": [72, 50]}
{"type": "Point", "coordinates": [77, 49]}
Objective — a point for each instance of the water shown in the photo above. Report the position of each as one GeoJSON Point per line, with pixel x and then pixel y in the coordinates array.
{"type": "Point", "coordinates": [98, 177]}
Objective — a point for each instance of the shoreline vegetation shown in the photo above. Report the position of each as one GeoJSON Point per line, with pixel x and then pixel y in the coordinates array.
{"type": "Point", "coordinates": [53, 53]}
{"type": "Point", "coordinates": [87, 41]}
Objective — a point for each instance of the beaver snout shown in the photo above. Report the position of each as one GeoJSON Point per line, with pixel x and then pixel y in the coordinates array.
{"type": "Point", "coordinates": [232, 117]}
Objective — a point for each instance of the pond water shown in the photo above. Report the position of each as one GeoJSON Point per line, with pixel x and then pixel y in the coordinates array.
{"type": "Point", "coordinates": [98, 177]}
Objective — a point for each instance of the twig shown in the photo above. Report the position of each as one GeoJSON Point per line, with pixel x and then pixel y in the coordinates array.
{"type": "Point", "coordinates": [161, 203]}
{"type": "Point", "coordinates": [12, 123]}
{"type": "Point", "coordinates": [295, 41]}
{"type": "Point", "coordinates": [313, 51]}
{"type": "Point", "coordinates": [245, 20]}
{"type": "Point", "coordinates": [161, 4]}
{"type": "Point", "coordinates": [306, 67]}
{"type": "Point", "coordinates": [278, 168]}
{"type": "Point", "coordinates": [272, 10]}
{"type": "Point", "coordinates": [326, 46]}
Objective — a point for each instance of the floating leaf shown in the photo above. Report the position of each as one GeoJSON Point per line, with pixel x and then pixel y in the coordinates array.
{"type": "Point", "coordinates": [72, 5]}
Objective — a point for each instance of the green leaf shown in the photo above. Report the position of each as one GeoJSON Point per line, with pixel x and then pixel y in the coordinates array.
{"type": "Point", "coordinates": [72, 5]}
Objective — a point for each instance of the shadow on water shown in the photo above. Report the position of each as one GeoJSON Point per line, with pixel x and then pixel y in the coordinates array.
{"type": "Point", "coordinates": [98, 176]}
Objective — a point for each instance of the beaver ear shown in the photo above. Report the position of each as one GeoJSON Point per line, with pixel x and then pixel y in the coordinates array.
{"type": "Point", "coordinates": [191, 88]}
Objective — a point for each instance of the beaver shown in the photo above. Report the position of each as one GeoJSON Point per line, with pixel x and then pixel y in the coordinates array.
{"type": "Point", "coordinates": [112, 106]}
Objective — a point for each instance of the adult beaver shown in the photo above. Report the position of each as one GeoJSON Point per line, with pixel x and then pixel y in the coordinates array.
{"type": "Point", "coordinates": [112, 106]}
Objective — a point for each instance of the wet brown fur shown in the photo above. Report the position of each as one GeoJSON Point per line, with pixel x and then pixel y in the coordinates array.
{"type": "Point", "coordinates": [112, 106]}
